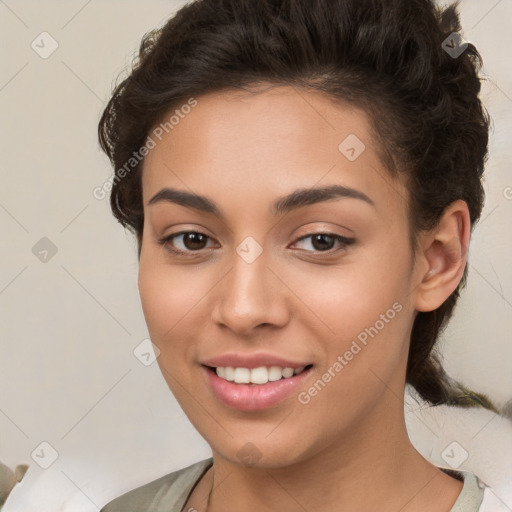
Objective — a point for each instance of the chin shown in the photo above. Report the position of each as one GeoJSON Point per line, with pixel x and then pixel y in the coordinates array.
{"type": "Point", "coordinates": [261, 451]}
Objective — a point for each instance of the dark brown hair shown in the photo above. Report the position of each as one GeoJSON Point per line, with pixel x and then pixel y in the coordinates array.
{"type": "Point", "coordinates": [386, 57]}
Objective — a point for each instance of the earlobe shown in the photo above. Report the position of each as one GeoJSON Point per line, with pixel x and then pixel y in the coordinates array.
{"type": "Point", "coordinates": [444, 255]}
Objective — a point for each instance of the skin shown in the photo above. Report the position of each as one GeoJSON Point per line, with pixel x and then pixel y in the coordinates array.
{"type": "Point", "coordinates": [347, 449]}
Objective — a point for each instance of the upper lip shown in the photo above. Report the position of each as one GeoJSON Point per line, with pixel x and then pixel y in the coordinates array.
{"type": "Point", "coordinates": [238, 360]}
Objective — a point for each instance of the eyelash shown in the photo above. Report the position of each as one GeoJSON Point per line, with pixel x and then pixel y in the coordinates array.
{"type": "Point", "coordinates": [165, 242]}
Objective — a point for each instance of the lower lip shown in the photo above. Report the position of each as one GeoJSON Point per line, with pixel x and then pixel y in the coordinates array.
{"type": "Point", "coordinates": [253, 397]}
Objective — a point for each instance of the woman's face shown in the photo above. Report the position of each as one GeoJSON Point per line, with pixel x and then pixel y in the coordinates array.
{"type": "Point", "coordinates": [316, 280]}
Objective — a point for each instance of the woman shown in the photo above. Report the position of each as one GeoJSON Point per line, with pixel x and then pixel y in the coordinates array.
{"type": "Point", "coordinates": [303, 178]}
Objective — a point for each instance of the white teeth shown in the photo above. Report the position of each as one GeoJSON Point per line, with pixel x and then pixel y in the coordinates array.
{"type": "Point", "coordinates": [229, 373]}
{"type": "Point", "coordinates": [260, 375]}
{"type": "Point", "coordinates": [287, 372]}
{"type": "Point", "coordinates": [242, 375]}
{"type": "Point", "coordinates": [274, 373]}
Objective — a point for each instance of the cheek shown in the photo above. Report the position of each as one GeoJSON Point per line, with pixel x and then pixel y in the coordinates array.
{"type": "Point", "coordinates": [364, 325]}
{"type": "Point", "coordinates": [169, 297]}
{"type": "Point", "coordinates": [171, 301]}
{"type": "Point", "coordinates": [348, 298]}
{"type": "Point", "coordinates": [364, 315]}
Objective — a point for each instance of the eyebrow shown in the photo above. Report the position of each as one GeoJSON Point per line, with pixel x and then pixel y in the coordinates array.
{"type": "Point", "coordinates": [299, 198]}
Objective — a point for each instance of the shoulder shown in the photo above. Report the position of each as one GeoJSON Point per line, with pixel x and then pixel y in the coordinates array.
{"type": "Point", "coordinates": [161, 494]}
{"type": "Point", "coordinates": [475, 495]}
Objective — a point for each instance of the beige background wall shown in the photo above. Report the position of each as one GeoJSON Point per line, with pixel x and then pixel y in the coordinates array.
{"type": "Point", "coordinates": [68, 374]}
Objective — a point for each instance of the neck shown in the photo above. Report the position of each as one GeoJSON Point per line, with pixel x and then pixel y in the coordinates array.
{"type": "Point", "coordinates": [371, 468]}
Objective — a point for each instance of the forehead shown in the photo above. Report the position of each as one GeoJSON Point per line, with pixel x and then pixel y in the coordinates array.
{"type": "Point", "coordinates": [268, 140]}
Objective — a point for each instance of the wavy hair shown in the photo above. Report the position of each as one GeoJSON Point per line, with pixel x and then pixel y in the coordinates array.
{"type": "Point", "coordinates": [387, 58]}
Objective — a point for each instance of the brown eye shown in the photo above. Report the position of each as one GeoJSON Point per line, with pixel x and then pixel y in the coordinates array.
{"type": "Point", "coordinates": [187, 241]}
{"type": "Point", "coordinates": [324, 242]}
{"type": "Point", "coordinates": [194, 241]}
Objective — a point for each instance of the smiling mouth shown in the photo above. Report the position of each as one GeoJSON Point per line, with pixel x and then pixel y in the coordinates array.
{"type": "Point", "coordinates": [257, 376]}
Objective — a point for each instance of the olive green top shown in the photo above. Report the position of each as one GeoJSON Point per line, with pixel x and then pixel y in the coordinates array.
{"type": "Point", "coordinates": [170, 492]}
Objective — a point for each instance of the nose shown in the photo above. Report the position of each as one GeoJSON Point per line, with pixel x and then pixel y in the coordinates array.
{"type": "Point", "coordinates": [250, 295]}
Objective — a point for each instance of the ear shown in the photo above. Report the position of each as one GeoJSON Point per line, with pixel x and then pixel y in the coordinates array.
{"type": "Point", "coordinates": [442, 258]}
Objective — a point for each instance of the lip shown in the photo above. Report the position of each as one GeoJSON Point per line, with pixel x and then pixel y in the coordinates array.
{"type": "Point", "coordinates": [238, 360]}
{"type": "Point", "coordinates": [253, 397]}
